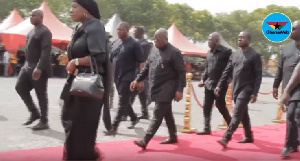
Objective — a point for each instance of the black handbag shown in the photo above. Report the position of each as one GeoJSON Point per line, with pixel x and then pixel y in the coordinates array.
{"type": "Point", "coordinates": [88, 84]}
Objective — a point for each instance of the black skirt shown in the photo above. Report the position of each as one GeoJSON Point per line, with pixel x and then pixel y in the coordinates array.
{"type": "Point", "coordinates": [80, 119]}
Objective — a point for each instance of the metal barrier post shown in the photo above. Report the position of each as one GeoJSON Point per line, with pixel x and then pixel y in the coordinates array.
{"type": "Point", "coordinates": [187, 116]}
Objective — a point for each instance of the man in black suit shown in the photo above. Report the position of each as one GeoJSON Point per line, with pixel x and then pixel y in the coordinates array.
{"type": "Point", "coordinates": [290, 58]}
{"type": "Point", "coordinates": [216, 61]}
{"type": "Point", "coordinates": [245, 67]}
{"type": "Point", "coordinates": [34, 74]}
{"type": "Point", "coordinates": [166, 70]}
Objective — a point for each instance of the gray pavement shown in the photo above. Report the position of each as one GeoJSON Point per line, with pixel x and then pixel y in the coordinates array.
{"type": "Point", "coordinates": [14, 136]}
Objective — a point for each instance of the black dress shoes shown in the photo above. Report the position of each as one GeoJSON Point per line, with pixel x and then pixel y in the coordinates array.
{"type": "Point", "coordinates": [247, 140]}
{"type": "Point", "coordinates": [41, 126]}
{"type": "Point", "coordinates": [223, 142]}
{"type": "Point", "coordinates": [170, 141]}
{"type": "Point", "coordinates": [32, 118]}
{"type": "Point", "coordinates": [140, 144]}
{"type": "Point", "coordinates": [133, 123]}
{"type": "Point", "coordinates": [145, 117]}
{"type": "Point", "coordinates": [111, 132]}
{"type": "Point", "coordinates": [205, 132]}
{"type": "Point", "coordinates": [286, 152]}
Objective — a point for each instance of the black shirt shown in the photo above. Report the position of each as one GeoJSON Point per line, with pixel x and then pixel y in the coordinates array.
{"type": "Point", "coordinates": [215, 64]}
{"type": "Point", "coordinates": [166, 71]}
{"type": "Point", "coordinates": [126, 55]}
{"type": "Point", "coordinates": [89, 40]}
{"type": "Point", "coordinates": [38, 49]}
{"type": "Point", "coordinates": [245, 67]}
{"type": "Point", "coordinates": [286, 66]}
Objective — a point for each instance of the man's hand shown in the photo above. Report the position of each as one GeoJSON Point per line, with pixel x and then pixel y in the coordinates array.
{"type": "Point", "coordinates": [285, 98]}
{"type": "Point", "coordinates": [141, 86]}
{"type": "Point", "coordinates": [217, 91]}
{"type": "Point", "coordinates": [36, 75]}
{"type": "Point", "coordinates": [201, 84]}
{"type": "Point", "coordinates": [275, 93]}
{"type": "Point", "coordinates": [133, 85]}
{"type": "Point", "coordinates": [178, 96]}
{"type": "Point", "coordinates": [71, 67]}
{"type": "Point", "coordinates": [253, 98]}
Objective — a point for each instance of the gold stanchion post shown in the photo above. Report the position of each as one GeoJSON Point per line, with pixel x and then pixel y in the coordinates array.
{"type": "Point", "coordinates": [187, 117]}
{"type": "Point", "coordinates": [280, 111]}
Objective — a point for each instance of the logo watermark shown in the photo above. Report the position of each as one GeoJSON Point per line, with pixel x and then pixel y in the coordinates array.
{"type": "Point", "coordinates": [277, 27]}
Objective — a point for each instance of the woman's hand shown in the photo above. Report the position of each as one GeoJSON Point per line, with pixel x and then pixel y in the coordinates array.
{"type": "Point", "coordinates": [71, 67]}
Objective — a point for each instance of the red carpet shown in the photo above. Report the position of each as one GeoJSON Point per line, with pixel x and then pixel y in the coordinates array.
{"type": "Point", "coordinates": [268, 145]}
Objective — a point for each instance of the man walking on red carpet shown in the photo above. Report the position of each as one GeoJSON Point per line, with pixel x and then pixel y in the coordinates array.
{"type": "Point", "coordinates": [166, 70]}
{"type": "Point", "coordinates": [245, 67]}
{"type": "Point", "coordinates": [290, 58]}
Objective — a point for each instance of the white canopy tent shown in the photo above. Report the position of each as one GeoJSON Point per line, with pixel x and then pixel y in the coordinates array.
{"type": "Point", "coordinates": [112, 26]}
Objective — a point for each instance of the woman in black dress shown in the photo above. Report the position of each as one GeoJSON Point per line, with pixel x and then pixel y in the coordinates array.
{"type": "Point", "coordinates": [80, 115]}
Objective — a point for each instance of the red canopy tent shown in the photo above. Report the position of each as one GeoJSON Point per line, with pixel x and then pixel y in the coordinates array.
{"type": "Point", "coordinates": [177, 39]}
{"type": "Point", "coordinates": [10, 21]}
{"type": "Point", "coordinates": [15, 37]}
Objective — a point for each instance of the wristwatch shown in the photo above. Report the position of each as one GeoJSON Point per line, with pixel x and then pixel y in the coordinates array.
{"type": "Point", "coordinates": [76, 62]}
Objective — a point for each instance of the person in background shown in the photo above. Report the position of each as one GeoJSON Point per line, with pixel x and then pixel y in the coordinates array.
{"type": "Point", "coordinates": [14, 63]}
{"type": "Point", "coordinates": [216, 61]}
{"type": "Point", "coordinates": [62, 62]}
{"type": "Point", "coordinates": [143, 96]}
{"type": "Point", "coordinates": [6, 62]}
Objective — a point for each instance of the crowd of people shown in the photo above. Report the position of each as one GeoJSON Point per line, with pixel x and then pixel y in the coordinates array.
{"type": "Point", "coordinates": [153, 72]}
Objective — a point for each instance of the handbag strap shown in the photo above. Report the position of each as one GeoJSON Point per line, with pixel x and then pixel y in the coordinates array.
{"type": "Point", "coordinates": [92, 65]}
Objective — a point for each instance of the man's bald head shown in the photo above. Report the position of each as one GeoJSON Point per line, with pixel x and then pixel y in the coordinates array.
{"type": "Point", "coordinates": [161, 38]}
{"type": "Point", "coordinates": [214, 40]}
{"type": "Point", "coordinates": [36, 17]}
{"type": "Point", "coordinates": [295, 34]}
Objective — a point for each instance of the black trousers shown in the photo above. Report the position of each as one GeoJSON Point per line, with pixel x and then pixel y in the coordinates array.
{"type": "Point", "coordinates": [25, 84]}
{"type": "Point", "coordinates": [293, 123]}
{"type": "Point", "coordinates": [124, 93]}
{"type": "Point", "coordinates": [143, 100]}
{"type": "Point", "coordinates": [240, 113]}
{"type": "Point", "coordinates": [162, 110]}
{"type": "Point", "coordinates": [80, 118]}
{"type": "Point", "coordinates": [220, 104]}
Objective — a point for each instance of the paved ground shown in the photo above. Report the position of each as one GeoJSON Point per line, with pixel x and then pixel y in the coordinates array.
{"type": "Point", "coordinates": [14, 136]}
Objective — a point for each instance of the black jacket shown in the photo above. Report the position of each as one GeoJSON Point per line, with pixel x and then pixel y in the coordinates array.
{"type": "Point", "coordinates": [166, 71]}
{"type": "Point", "coordinates": [215, 64]}
{"type": "Point", "coordinates": [289, 59]}
{"type": "Point", "coordinates": [246, 71]}
{"type": "Point", "coordinates": [38, 49]}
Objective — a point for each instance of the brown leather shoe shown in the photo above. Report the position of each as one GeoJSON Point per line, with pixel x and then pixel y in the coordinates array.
{"type": "Point", "coordinates": [170, 141]}
{"type": "Point", "coordinates": [140, 144]}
